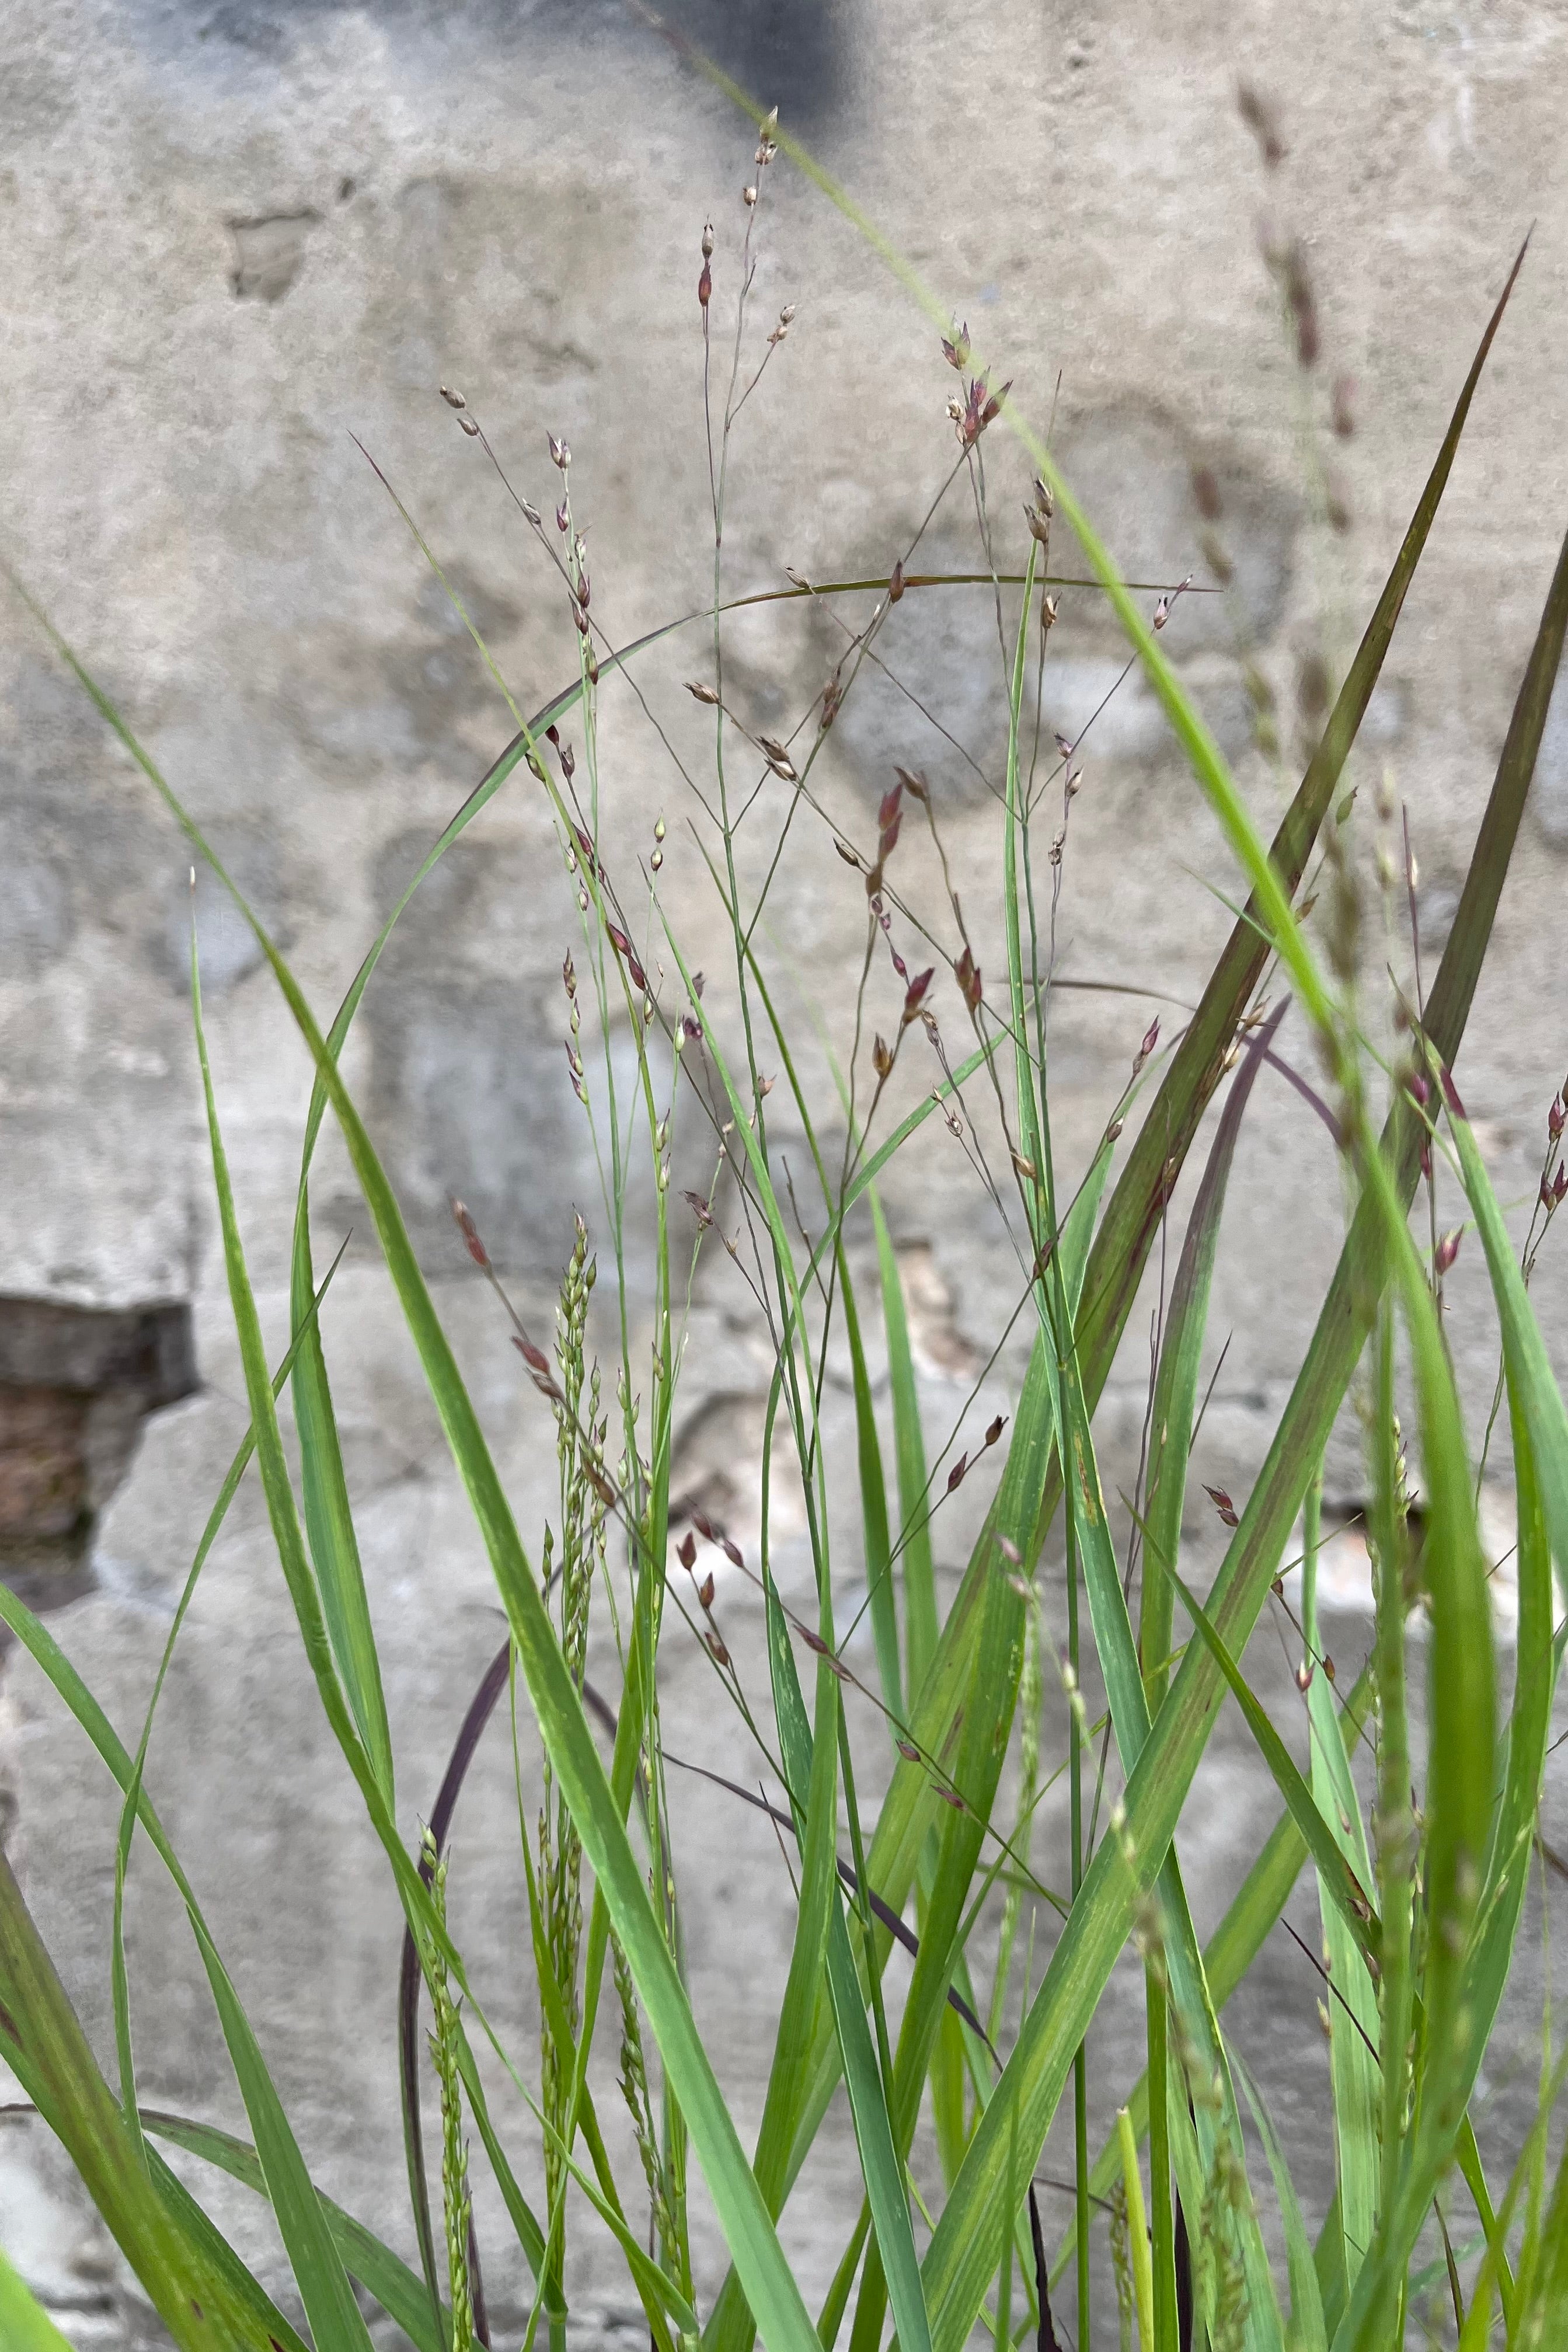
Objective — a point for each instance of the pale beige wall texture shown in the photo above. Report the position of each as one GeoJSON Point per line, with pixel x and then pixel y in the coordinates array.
{"type": "Point", "coordinates": [236, 233]}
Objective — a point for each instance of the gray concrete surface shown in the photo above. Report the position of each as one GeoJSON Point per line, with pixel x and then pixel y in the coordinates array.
{"type": "Point", "coordinates": [236, 236]}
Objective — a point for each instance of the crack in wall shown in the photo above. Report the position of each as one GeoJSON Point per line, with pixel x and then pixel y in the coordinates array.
{"type": "Point", "coordinates": [76, 1383]}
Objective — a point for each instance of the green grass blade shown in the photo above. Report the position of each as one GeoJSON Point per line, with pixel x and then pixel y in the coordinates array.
{"type": "Point", "coordinates": [1176, 1379]}
{"type": "Point", "coordinates": [216, 1517]}
{"type": "Point", "coordinates": [519, 2212]}
{"type": "Point", "coordinates": [1079, 1225]}
{"type": "Point", "coordinates": [24, 2325]}
{"type": "Point", "coordinates": [809, 1763]}
{"type": "Point", "coordinates": [329, 1521]}
{"type": "Point", "coordinates": [1132, 1215]}
{"type": "Point", "coordinates": [1458, 1810]}
{"type": "Point", "coordinates": [1136, 2233]}
{"type": "Point", "coordinates": [1448, 1006]}
{"type": "Point", "coordinates": [399, 2290]}
{"type": "Point", "coordinates": [1529, 1374]}
{"type": "Point", "coordinates": [43, 2044]}
{"type": "Point", "coordinates": [1352, 2037]}
{"type": "Point", "coordinates": [1229, 1953]}
{"type": "Point", "coordinates": [1307, 2333]}
{"type": "Point", "coordinates": [220, 2258]}
{"type": "Point", "coordinates": [334, 2315]}
{"type": "Point", "coordinates": [1130, 1718]}
{"type": "Point", "coordinates": [975, 1650]}
{"type": "Point", "coordinates": [879, 1586]}
{"type": "Point", "coordinates": [1349, 1896]}
{"type": "Point", "coordinates": [910, 1459]}
{"type": "Point", "coordinates": [1171, 1424]}
{"type": "Point", "coordinates": [1544, 2318]}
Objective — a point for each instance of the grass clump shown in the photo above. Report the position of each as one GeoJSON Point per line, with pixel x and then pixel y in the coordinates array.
{"type": "Point", "coordinates": [950, 1035]}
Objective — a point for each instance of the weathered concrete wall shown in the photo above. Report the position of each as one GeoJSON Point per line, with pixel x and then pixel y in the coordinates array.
{"type": "Point", "coordinates": [236, 235]}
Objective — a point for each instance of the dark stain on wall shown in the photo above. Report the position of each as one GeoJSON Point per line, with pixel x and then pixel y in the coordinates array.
{"type": "Point", "coordinates": [794, 53]}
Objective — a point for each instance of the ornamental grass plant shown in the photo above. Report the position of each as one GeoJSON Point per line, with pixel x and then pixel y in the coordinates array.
{"type": "Point", "coordinates": [906, 1775]}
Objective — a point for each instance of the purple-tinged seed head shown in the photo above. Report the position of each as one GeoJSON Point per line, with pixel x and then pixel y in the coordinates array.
{"type": "Point", "coordinates": [471, 1234]}
{"type": "Point", "coordinates": [914, 995]}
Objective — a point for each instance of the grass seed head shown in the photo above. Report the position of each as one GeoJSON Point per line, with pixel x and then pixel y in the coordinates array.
{"type": "Point", "coordinates": [471, 1234]}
